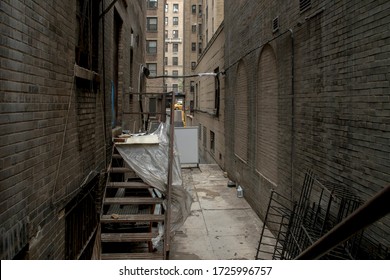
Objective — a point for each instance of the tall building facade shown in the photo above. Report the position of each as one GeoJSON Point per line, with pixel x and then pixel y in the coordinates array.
{"type": "Point", "coordinates": [66, 70]}
{"type": "Point", "coordinates": [174, 39]}
{"type": "Point", "coordinates": [155, 53]}
{"type": "Point", "coordinates": [192, 49]}
{"type": "Point", "coordinates": [205, 54]}
{"type": "Point", "coordinates": [307, 87]}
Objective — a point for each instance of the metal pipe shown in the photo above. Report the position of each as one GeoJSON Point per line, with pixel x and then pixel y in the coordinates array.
{"type": "Point", "coordinates": [169, 181]}
{"type": "Point", "coordinates": [107, 9]}
{"type": "Point", "coordinates": [104, 92]}
{"type": "Point", "coordinates": [374, 209]}
{"type": "Point", "coordinates": [292, 114]}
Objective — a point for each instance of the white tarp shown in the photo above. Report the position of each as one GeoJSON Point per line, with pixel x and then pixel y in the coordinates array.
{"type": "Point", "coordinates": [150, 162]}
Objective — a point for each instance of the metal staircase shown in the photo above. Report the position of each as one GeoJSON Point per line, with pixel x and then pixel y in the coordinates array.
{"type": "Point", "coordinates": [130, 215]}
{"type": "Point", "coordinates": [132, 212]}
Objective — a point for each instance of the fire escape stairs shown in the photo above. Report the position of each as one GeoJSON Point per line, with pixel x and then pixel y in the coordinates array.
{"type": "Point", "coordinates": [131, 217]}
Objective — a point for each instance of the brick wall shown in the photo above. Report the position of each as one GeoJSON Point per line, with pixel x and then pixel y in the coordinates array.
{"type": "Point", "coordinates": [51, 123]}
{"type": "Point", "coordinates": [211, 59]}
{"type": "Point", "coordinates": [335, 120]}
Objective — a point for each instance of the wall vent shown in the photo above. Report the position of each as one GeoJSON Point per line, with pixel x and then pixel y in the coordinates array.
{"type": "Point", "coordinates": [275, 24]}
{"type": "Point", "coordinates": [304, 5]}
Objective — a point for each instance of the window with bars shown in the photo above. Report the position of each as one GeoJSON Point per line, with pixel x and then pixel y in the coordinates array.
{"type": "Point", "coordinates": [175, 60]}
{"type": "Point", "coordinates": [81, 222]}
{"type": "Point", "coordinates": [151, 47]}
{"type": "Point", "coordinates": [152, 4]}
{"type": "Point", "coordinates": [212, 142]}
{"type": "Point", "coordinates": [175, 47]}
{"type": "Point", "coordinates": [175, 21]}
{"type": "Point", "coordinates": [86, 51]}
{"type": "Point", "coordinates": [204, 136]}
{"type": "Point", "coordinates": [175, 8]}
{"type": "Point", "coordinates": [175, 34]}
{"type": "Point", "coordinates": [151, 24]}
{"type": "Point", "coordinates": [152, 68]}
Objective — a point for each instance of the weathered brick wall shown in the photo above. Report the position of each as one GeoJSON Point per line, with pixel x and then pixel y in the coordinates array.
{"type": "Point", "coordinates": [335, 120]}
{"type": "Point", "coordinates": [211, 59]}
{"type": "Point", "coordinates": [51, 123]}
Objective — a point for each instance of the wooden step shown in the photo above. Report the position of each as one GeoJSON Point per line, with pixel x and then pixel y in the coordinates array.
{"type": "Point", "coordinates": [116, 156]}
{"type": "Point", "coordinates": [132, 200]}
{"type": "Point", "coordinates": [128, 185]}
{"type": "Point", "coordinates": [131, 218]}
{"type": "Point", "coordinates": [133, 256]}
{"type": "Point", "coordinates": [127, 237]}
{"type": "Point", "coordinates": [120, 170]}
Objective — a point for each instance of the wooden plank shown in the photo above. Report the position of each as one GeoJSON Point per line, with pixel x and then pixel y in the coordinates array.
{"type": "Point", "coordinates": [131, 218]}
{"type": "Point", "coordinates": [132, 200]}
{"type": "Point", "coordinates": [116, 156]}
{"type": "Point", "coordinates": [127, 237]}
{"type": "Point", "coordinates": [87, 74]}
{"type": "Point", "coordinates": [128, 185]}
{"type": "Point", "coordinates": [120, 170]}
{"type": "Point", "coordinates": [132, 256]}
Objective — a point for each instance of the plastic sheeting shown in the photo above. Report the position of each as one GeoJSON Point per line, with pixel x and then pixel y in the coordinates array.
{"type": "Point", "coordinates": [150, 162]}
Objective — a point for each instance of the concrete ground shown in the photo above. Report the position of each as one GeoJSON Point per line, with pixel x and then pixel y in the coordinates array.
{"type": "Point", "coordinates": [221, 226]}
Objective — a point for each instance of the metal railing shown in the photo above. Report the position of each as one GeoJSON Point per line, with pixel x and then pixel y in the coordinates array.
{"type": "Point", "coordinates": [328, 222]}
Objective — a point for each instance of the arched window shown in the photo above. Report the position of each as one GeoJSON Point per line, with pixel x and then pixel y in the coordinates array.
{"type": "Point", "coordinates": [241, 114]}
{"type": "Point", "coordinates": [267, 116]}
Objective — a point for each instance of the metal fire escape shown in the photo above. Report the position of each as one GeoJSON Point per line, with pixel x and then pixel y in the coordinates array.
{"type": "Point", "coordinates": [133, 214]}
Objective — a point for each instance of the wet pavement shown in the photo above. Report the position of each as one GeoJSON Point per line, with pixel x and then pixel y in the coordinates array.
{"type": "Point", "coordinates": [221, 226]}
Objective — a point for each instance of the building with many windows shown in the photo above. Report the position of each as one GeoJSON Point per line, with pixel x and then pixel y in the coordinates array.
{"type": "Point", "coordinates": [174, 37]}
{"type": "Point", "coordinates": [204, 53]}
{"type": "Point", "coordinates": [155, 50]}
{"type": "Point", "coordinates": [192, 50]}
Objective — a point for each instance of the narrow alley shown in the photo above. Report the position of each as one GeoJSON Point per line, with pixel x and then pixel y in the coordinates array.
{"type": "Point", "coordinates": [221, 225]}
{"type": "Point", "coordinates": [290, 100]}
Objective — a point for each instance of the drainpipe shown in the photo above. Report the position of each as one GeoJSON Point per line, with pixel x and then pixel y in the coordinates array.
{"type": "Point", "coordinates": [217, 101]}
{"type": "Point", "coordinates": [104, 90]}
{"type": "Point", "coordinates": [140, 74]}
{"type": "Point", "coordinates": [292, 114]}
